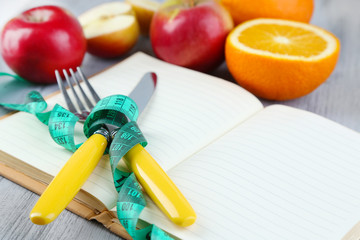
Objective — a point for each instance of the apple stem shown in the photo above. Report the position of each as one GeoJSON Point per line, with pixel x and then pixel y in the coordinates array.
{"type": "Point", "coordinates": [192, 3]}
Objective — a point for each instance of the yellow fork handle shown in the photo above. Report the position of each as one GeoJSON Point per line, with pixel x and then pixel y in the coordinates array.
{"type": "Point", "coordinates": [159, 186]}
{"type": "Point", "coordinates": [69, 180]}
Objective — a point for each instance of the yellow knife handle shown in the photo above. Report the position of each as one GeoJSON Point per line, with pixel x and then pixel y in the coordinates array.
{"type": "Point", "coordinates": [159, 186]}
{"type": "Point", "coordinates": [69, 180]}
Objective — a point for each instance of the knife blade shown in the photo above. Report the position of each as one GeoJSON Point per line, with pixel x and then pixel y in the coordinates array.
{"type": "Point", "coordinates": [67, 183]}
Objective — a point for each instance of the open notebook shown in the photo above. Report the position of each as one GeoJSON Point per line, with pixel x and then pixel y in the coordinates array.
{"type": "Point", "coordinates": [249, 172]}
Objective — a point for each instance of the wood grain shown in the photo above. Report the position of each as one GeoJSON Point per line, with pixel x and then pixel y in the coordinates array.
{"type": "Point", "coordinates": [336, 99]}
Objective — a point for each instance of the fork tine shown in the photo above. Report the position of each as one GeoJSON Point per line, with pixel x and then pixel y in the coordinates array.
{"type": "Point", "coordinates": [96, 97]}
{"type": "Point", "coordinates": [81, 106]}
{"type": "Point", "coordinates": [88, 102]}
{"type": "Point", "coordinates": [63, 91]}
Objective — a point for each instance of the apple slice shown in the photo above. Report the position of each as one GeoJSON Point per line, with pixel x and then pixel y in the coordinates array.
{"type": "Point", "coordinates": [144, 10]}
{"type": "Point", "coordinates": [111, 29]}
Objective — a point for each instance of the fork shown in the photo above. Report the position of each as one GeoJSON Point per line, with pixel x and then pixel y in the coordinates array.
{"type": "Point", "coordinates": [67, 183]}
{"type": "Point", "coordinates": [84, 113]}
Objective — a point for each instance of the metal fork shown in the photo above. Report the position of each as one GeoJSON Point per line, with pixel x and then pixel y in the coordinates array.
{"type": "Point", "coordinates": [83, 112]}
{"type": "Point", "coordinates": [68, 181]}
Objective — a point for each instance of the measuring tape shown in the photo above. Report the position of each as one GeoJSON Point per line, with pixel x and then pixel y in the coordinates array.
{"type": "Point", "coordinates": [119, 111]}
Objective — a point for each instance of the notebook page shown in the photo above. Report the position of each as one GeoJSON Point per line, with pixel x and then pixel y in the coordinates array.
{"type": "Point", "coordinates": [187, 111]}
{"type": "Point", "coordinates": [283, 174]}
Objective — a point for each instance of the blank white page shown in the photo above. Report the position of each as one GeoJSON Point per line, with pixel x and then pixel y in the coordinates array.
{"type": "Point", "coordinates": [187, 111]}
{"type": "Point", "coordinates": [283, 174]}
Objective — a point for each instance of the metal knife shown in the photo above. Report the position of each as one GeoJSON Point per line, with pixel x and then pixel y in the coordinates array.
{"type": "Point", "coordinates": [78, 168]}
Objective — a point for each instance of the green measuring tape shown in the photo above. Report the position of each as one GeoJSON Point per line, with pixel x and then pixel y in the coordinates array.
{"type": "Point", "coordinates": [121, 112]}
{"type": "Point", "coordinates": [12, 75]}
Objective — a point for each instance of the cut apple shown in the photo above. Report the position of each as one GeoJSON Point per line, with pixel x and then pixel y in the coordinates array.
{"type": "Point", "coordinates": [144, 10]}
{"type": "Point", "coordinates": [101, 27]}
{"type": "Point", "coordinates": [111, 29]}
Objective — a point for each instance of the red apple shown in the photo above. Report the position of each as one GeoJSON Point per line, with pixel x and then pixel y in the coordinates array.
{"type": "Point", "coordinates": [40, 40]}
{"type": "Point", "coordinates": [191, 33]}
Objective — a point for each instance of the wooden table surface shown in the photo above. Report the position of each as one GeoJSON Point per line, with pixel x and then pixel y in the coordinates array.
{"type": "Point", "coordinates": [337, 99]}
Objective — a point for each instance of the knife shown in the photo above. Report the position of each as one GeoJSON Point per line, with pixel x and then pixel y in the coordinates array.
{"type": "Point", "coordinates": [156, 183]}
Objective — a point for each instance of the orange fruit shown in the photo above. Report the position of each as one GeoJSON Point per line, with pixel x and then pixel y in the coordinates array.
{"type": "Point", "coordinates": [280, 59]}
{"type": "Point", "coordinates": [243, 10]}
